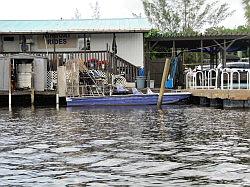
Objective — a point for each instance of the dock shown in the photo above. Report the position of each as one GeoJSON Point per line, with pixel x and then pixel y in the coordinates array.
{"type": "Point", "coordinates": [221, 98]}
{"type": "Point", "coordinates": [23, 98]}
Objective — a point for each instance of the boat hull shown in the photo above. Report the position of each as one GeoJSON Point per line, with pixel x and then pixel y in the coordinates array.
{"type": "Point", "coordinates": [125, 100]}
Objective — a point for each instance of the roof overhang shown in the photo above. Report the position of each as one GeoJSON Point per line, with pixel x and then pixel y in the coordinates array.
{"type": "Point", "coordinates": [71, 32]}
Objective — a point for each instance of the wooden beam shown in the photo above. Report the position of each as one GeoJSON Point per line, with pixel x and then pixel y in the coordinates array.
{"type": "Point", "coordinates": [224, 54]}
{"type": "Point", "coordinates": [173, 49]}
{"type": "Point", "coordinates": [218, 44]}
{"type": "Point", "coordinates": [202, 55]}
{"type": "Point", "coordinates": [148, 66]}
{"type": "Point", "coordinates": [152, 47]}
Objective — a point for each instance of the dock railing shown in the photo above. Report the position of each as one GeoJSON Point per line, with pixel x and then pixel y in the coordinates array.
{"type": "Point", "coordinates": [224, 79]}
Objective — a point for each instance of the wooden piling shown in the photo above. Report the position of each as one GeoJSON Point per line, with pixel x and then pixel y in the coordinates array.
{"type": "Point", "coordinates": [163, 80]}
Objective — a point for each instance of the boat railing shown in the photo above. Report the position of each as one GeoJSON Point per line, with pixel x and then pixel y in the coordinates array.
{"type": "Point", "coordinates": [224, 79]}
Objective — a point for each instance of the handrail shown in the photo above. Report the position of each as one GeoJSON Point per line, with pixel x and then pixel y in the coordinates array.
{"type": "Point", "coordinates": [113, 63]}
{"type": "Point", "coordinates": [231, 78]}
{"type": "Point", "coordinates": [210, 79]}
{"type": "Point", "coordinates": [222, 79]}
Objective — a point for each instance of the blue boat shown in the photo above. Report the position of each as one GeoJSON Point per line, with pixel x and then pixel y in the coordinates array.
{"type": "Point", "coordinates": [126, 100]}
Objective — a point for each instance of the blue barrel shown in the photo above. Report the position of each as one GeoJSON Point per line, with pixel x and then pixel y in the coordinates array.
{"type": "Point", "coordinates": [141, 72]}
{"type": "Point", "coordinates": [140, 82]}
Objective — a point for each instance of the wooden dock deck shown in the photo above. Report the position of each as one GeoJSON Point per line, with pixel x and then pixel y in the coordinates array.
{"type": "Point", "coordinates": [28, 92]}
{"type": "Point", "coordinates": [222, 98]}
{"type": "Point", "coordinates": [239, 95]}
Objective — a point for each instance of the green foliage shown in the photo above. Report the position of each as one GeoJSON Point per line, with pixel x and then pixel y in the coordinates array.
{"type": "Point", "coordinates": [157, 33]}
{"type": "Point", "coordinates": [222, 31]}
{"type": "Point", "coordinates": [246, 4]}
{"type": "Point", "coordinates": [240, 30]}
{"type": "Point", "coordinates": [185, 16]}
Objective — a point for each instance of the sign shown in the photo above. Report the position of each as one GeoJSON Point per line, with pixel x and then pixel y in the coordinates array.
{"type": "Point", "coordinates": [60, 41]}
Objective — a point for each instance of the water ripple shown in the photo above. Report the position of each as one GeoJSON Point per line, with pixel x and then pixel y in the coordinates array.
{"type": "Point", "coordinates": [124, 146]}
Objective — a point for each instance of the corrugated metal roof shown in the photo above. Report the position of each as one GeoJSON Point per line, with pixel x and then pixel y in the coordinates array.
{"type": "Point", "coordinates": [82, 25]}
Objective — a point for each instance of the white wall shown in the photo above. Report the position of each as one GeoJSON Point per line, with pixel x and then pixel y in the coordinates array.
{"type": "Point", "coordinates": [129, 45]}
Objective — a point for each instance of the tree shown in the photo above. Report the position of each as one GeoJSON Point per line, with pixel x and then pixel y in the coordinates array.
{"type": "Point", "coordinates": [77, 14]}
{"type": "Point", "coordinates": [185, 15]}
{"type": "Point", "coordinates": [96, 10]}
{"type": "Point", "coordinates": [246, 4]}
{"type": "Point", "coordinates": [136, 15]}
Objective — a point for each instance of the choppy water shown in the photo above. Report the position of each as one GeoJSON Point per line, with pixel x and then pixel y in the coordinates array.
{"type": "Point", "coordinates": [124, 146]}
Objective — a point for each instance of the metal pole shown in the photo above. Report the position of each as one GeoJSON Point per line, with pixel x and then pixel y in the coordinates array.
{"type": "Point", "coordinates": [163, 80]}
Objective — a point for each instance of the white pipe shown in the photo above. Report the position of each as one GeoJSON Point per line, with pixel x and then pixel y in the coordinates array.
{"type": "Point", "coordinates": [216, 78]}
{"type": "Point", "coordinates": [248, 79]}
{"type": "Point", "coordinates": [57, 98]}
{"type": "Point", "coordinates": [10, 99]}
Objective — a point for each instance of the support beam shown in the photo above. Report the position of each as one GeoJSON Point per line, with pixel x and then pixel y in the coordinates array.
{"type": "Point", "coordinates": [153, 46]}
{"type": "Point", "coordinates": [148, 65]}
{"type": "Point", "coordinates": [224, 48]}
{"type": "Point", "coordinates": [32, 85]}
{"type": "Point", "coordinates": [85, 47]}
{"type": "Point", "coordinates": [54, 49]}
{"type": "Point", "coordinates": [202, 55]}
{"type": "Point", "coordinates": [173, 49]}
{"type": "Point", "coordinates": [224, 54]}
{"type": "Point", "coordinates": [57, 86]}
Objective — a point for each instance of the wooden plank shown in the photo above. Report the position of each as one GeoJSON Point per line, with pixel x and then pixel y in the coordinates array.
{"type": "Point", "coordinates": [222, 94]}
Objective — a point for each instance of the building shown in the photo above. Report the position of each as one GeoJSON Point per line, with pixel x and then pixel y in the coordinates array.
{"type": "Point", "coordinates": [124, 37]}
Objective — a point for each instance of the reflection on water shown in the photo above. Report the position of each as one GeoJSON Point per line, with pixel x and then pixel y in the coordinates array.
{"type": "Point", "coordinates": [123, 146]}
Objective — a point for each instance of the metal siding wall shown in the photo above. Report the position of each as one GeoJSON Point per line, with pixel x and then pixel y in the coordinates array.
{"type": "Point", "coordinates": [99, 41]}
{"type": "Point", "coordinates": [6, 73]}
{"type": "Point", "coordinates": [129, 45]}
{"type": "Point", "coordinates": [12, 46]}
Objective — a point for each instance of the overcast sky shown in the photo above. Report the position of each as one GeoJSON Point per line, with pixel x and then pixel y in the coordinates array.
{"type": "Point", "coordinates": [56, 9]}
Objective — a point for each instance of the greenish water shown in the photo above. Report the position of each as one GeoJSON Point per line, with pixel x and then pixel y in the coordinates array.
{"type": "Point", "coordinates": [124, 146]}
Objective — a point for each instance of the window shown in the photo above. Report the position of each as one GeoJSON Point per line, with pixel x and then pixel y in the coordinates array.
{"type": "Point", "coordinates": [84, 42]}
